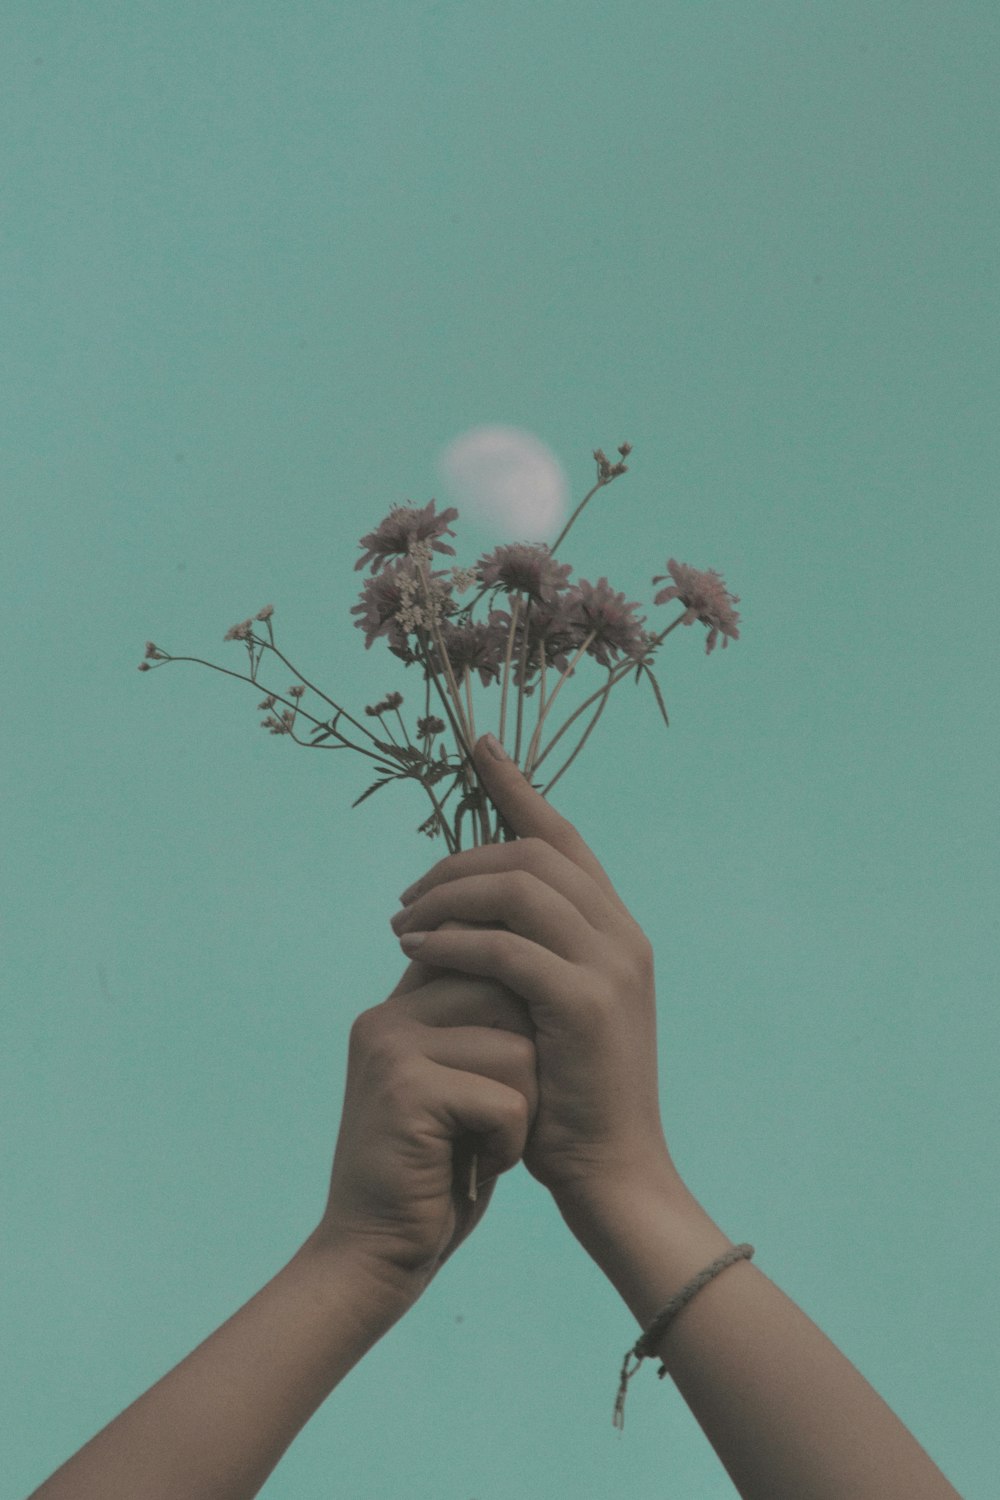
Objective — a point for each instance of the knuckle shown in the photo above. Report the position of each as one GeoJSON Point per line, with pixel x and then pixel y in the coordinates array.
{"type": "Point", "coordinates": [363, 1028]}
{"type": "Point", "coordinates": [376, 1035]}
{"type": "Point", "coordinates": [523, 1055]}
{"type": "Point", "coordinates": [523, 886]}
{"type": "Point", "coordinates": [535, 852]}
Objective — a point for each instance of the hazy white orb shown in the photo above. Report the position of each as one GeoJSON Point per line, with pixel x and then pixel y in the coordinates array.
{"type": "Point", "coordinates": [509, 479]}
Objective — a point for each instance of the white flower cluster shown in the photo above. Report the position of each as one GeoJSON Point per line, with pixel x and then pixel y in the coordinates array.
{"type": "Point", "coordinates": [421, 595]}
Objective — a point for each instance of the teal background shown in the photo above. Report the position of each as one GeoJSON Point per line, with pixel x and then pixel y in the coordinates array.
{"type": "Point", "coordinates": [260, 263]}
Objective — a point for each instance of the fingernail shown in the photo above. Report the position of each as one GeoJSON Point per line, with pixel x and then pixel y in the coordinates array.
{"type": "Point", "coordinates": [495, 748]}
{"type": "Point", "coordinates": [409, 894]}
{"type": "Point", "coordinates": [411, 940]}
{"type": "Point", "coordinates": [398, 921]}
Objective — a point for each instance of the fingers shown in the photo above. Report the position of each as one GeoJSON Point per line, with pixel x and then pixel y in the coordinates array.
{"type": "Point", "coordinates": [417, 976]}
{"type": "Point", "coordinates": [517, 899]}
{"type": "Point", "coordinates": [552, 987]}
{"type": "Point", "coordinates": [463, 1000]}
{"type": "Point", "coordinates": [530, 815]}
{"type": "Point", "coordinates": [484, 1083]}
{"type": "Point", "coordinates": [532, 856]}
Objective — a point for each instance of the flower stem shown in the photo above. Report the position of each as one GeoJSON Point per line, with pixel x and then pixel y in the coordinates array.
{"type": "Point", "coordinates": [523, 683]}
{"type": "Point", "coordinates": [559, 539]}
{"type": "Point", "coordinates": [515, 608]}
{"type": "Point", "coordinates": [346, 744]}
{"type": "Point", "coordinates": [269, 646]}
{"type": "Point", "coordinates": [532, 748]}
{"type": "Point", "coordinates": [590, 728]}
{"type": "Point", "coordinates": [621, 670]}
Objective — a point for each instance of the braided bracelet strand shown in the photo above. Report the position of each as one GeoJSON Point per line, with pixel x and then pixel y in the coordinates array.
{"type": "Point", "coordinates": [644, 1346]}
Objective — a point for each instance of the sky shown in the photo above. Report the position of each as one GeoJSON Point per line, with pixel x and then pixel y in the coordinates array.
{"type": "Point", "coordinates": [262, 269]}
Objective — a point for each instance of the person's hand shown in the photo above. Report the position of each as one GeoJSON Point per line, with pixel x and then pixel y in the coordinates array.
{"type": "Point", "coordinates": [431, 1080]}
{"type": "Point", "coordinates": [565, 944]}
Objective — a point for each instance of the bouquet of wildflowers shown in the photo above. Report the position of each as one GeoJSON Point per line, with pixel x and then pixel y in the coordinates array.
{"type": "Point", "coordinates": [538, 628]}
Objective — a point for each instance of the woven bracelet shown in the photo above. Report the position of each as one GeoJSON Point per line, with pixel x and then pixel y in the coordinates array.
{"type": "Point", "coordinates": [644, 1346]}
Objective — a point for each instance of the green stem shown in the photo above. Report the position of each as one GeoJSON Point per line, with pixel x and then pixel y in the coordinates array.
{"type": "Point", "coordinates": [523, 682]}
{"type": "Point", "coordinates": [529, 763]}
{"type": "Point", "coordinates": [270, 647]}
{"type": "Point", "coordinates": [590, 728]}
{"type": "Point", "coordinates": [516, 605]}
{"type": "Point", "coordinates": [320, 723]}
{"type": "Point", "coordinates": [559, 539]}
{"type": "Point", "coordinates": [622, 670]}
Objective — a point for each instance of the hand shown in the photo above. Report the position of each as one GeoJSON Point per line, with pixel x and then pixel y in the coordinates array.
{"type": "Point", "coordinates": [568, 947]}
{"type": "Point", "coordinates": [432, 1079]}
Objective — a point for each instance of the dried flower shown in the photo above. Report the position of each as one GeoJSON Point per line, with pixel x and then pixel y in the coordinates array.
{"type": "Point", "coordinates": [552, 632]}
{"type": "Point", "coordinates": [524, 568]}
{"type": "Point", "coordinates": [387, 603]}
{"type": "Point", "coordinates": [376, 710]}
{"type": "Point", "coordinates": [240, 632]}
{"type": "Point", "coordinates": [473, 645]}
{"type": "Point", "coordinates": [403, 525]}
{"type": "Point", "coordinates": [707, 599]}
{"type": "Point", "coordinates": [597, 607]}
{"type": "Point", "coordinates": [428, 727]}
{"type": "Point", "coordinates": [462, 579]}
{"type": "Point", "coordinates": [606, 470]}
{"type": "Point", "coordinates": [548, 624]}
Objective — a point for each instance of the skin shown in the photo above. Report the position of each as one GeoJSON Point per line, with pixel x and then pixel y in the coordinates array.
{"type": "Point", "coordinates": [526, 1030]}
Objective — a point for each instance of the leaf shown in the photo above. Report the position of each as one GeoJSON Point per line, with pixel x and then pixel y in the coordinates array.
{"type": "Point", "coordinates": [659, 695]}
{"type": "Point", "coordinates": [327, 731]}
{"type": "Point", "coordinates": [374, 788]}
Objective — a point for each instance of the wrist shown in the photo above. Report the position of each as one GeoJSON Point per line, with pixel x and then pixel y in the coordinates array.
{"type": "Point", "coordinates": [379, 1293]}
{"type": "Point", "coordinates": [649, 1237]}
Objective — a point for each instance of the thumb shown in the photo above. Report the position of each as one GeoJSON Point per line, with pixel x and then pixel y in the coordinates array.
{"type": "Point", "coordinates": [527, 813]}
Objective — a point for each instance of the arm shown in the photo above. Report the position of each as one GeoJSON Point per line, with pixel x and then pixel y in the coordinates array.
{"type": "Point", "coordinates": [423, 1095]}
{"type": "Point", "coordinates": [216, 1424]}
{"type": "Point", "coordinates": [787, 1413]}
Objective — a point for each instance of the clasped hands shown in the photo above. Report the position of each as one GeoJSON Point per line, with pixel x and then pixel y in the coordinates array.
{"type": "Point", "coordinates": [525, 1030]}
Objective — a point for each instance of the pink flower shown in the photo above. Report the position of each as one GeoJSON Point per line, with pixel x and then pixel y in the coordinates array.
{"type": "Point", "coordinates": [405, 524]}
{"type": "Point", "coordinates": [598, 607]}
{"type": "Point", "coordinates": [474, 645]}
{"type": "Point", "coordinates": [382, 599]}
{"type": "Point", "coordinates": [430, 726]}
{"type": "Point", "coordinates": [523, 567]}
{"type": "Point", "coordinates": [240, 632]}
{"type": "Point", "coordinates": [707, 599]}
{"type": "Point", "coordinates": [552, 632]}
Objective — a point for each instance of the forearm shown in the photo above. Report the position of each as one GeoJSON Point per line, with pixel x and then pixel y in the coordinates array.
{"type": "Point", "coordinates": [788, 1415]}
{"type": "Point", "coordinates": [215, 1426]}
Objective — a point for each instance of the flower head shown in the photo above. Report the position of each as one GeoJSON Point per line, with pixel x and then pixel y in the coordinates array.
{"type": "Point", "coordinates": [241, 632]}
{"type": "Point", "coordinates": [388, 604]}
{"type": "Point", "coordinates": [552, 631]}
{"type": "Point", "coordinates": [524, 567]}
{"type": "Point", "coordinates": [388, 703]}
{"type": "Point", "coordinates": [405, 524]}
{"type": "Point", "coordinates": [707, 599]}
{"type": "Point", "coordinates": [475, 645]}
{"type": "Point", "coordinates": [430, 726]}
{"type": "Point", "coordinates": [596, 607]}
